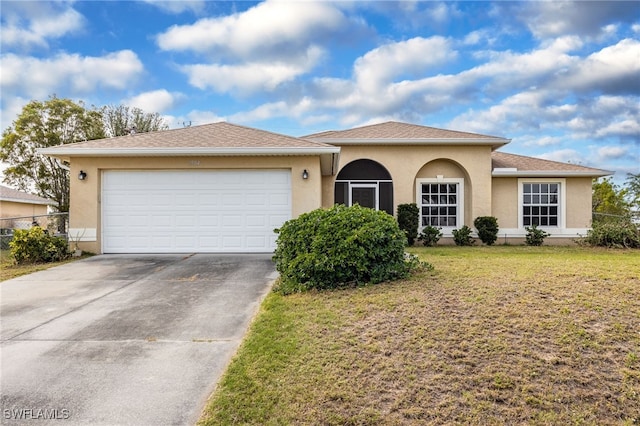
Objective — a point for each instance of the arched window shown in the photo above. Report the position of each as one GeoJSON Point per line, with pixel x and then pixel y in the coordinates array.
{"type": "Point", "coordinates": [367, 183]}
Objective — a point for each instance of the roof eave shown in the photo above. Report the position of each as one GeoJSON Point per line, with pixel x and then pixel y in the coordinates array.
{"type": "Point", "coordinates": [495, 142]}
{"type": "Point", "coordinates": [23, 201]}
{"type": "Point", "coordinates": [329, 155]}
{"type": "Point", "coordinates": [551, 173]}
{"type": "Point", "coordinates": [186, 152]}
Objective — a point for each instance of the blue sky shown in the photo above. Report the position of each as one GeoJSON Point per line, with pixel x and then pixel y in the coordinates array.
{"type": "Point", "coordinates": [561, 79]}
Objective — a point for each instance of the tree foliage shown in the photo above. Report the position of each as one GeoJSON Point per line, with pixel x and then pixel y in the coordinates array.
{"type": "Point", "coordinates": [122, 120]}
{"type": "Point", "coordinates": [633, 190]}
{"type": "Point", "coordinates": [609, 199]}
{"type": "Point", "coordinates": [57, 122]}
{"type": "Point", "coordinates": [40, 125]}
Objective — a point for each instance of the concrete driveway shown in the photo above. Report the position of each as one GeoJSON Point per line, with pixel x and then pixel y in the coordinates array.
{"type": "Point", "coordinates": [124, 340]}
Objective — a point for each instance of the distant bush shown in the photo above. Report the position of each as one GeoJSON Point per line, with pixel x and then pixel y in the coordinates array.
{"type": "Point", "coordinates": [408, 217]}
{"type": "Point", "coordinates": [430, 236]}
{"type": "Point", "coordinates": [487, 227]}
{"type": "Point", "coordinates": [35, 246]}
{"type": "Point", "coordinates": [462, 236]}
{"type": "Point", "coordinates": [535, 236]}
{"type": "Point", "coordinates": [330, 248]}
{"type": "Point", "coordinates": [621, 233]}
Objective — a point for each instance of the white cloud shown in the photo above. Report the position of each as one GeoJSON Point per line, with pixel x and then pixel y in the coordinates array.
{"type": "Point", "coordinates": [539, 141]}
{"type": "Point", "coordinates": [177, 6]}
{"type": "Point", "coordinates": [564, 156]}
{"type": "Point", "coordinates": [155, 101]}
{"type": "Point", "coordinates": [612, 152]}
{"type": "Point", "coordinates": [613, 69]}
{"type": "Point", "coordinates": [28, 24]}
{"type": "Point", "coordinates": [549, 19]}
{"type": "Point", "coordinates": [11, 109]}
{"type": "Point", "coordinates": [271, 28]}
{"type": "Point", "coordinates": [381, 65]}
{"type": "Point", "coordinates": [37, 78]}
{"type": "Point", "coordinates": [251, 76]}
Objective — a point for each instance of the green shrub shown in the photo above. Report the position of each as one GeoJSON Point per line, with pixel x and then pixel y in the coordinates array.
{"type": "Point", "coordinates": [621, 233]}
{"type": "Point", "coordinates": [430, 236]}
{"type": "Point", "coordinates": [487, 227]}
{"type": "Point", "coordinates": [408, 218]}
{"type": "Point", "coordinates": [462, 236]}
{"type": "Point", "coordinates": [535, 236]}
{"type": "Point", "coordinates": [35, 246]}
{"type": "Point", "coordinates": [330, 248]}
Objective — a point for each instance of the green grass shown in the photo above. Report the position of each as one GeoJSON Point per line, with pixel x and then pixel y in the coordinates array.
{"type": "Point", "coordinates": [494, 335]}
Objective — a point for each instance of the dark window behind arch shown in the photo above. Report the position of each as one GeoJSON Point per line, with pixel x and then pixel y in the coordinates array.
{"type": "Point", "coordinates": [361, 172]}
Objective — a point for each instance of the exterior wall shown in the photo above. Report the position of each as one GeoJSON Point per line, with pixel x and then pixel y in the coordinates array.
{"type": "Point", "coordinates": [13, 209]}
{"type": "Point", "coordinates": [85, 210]}
{"type": "Point", "coordinates": [579, 203]}
{"type": "Point", "coordinates": [504, 203]}
{"type": "Point", "coordinates": [409, 162]}
{"type": "Point", "coordinates": [576, 209]}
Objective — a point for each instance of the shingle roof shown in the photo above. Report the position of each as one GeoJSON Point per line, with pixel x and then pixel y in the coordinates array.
{"type": "Point", "coordinates": [13, 195]}
{"type": "Point", "coordinates": [215, 135]}
{"type": "Point", "coordinates": [394, 130]}
{"type": "Point", "coordinates": [216, 139]}
{"type": "Point", "coordinates": [512, 165]}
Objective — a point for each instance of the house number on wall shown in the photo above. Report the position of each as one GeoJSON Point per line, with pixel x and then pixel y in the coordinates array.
{"type": "Point", "coordinates": [194, 162]}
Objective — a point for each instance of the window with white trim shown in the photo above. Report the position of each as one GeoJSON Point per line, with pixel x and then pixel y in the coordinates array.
{"type": "Point", "coordinates": [440, 202]}
{"type": "Point", "coordinates": [542, 202]}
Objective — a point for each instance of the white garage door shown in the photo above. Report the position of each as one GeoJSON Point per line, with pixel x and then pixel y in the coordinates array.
{"type": "Point", "coordinates": [193, 211]}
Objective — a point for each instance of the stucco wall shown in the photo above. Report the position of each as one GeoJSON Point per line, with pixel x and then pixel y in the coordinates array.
{"type": "Point", "coordinates": [85, 210]}
{"type": "Point", "coordinates": [504, 204]}
{"type": "Point", "coordinates": [12, 209]}
{"type": "Point", "coordinates": [577, 205]}
{"type": "Point", "coordinates": [409, 162]}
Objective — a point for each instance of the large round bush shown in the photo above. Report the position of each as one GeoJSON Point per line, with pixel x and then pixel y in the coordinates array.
{"type": "Point", "coordinates": [329, 248]}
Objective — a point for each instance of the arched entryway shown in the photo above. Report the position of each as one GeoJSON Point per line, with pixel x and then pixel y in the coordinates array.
{"type": "Point", "coordinates": [367, 183]}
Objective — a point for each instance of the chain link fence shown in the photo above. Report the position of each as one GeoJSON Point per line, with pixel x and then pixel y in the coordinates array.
{"type": "Point", "coordinates": [55, 224]}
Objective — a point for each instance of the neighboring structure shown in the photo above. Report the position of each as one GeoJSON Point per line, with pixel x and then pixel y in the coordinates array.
{"type": "Point", "coordinates": [224, 188]}
{"type": "Point", "coordinates": [21, 205]}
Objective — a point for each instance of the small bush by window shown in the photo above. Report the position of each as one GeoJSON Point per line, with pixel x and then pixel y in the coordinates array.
{"type": "Point", "coordinates": [340, 246]}
{"type": "Point", "coordinates": [487, 227]}
{"type": "Point", "coordinates": [462, 236]}
{"type": "Point", "coordinates": [430, 236]}
{"type": "Point", "coordinates": [535, 236]}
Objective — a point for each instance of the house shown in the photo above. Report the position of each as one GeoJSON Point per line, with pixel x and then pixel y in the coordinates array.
{"type": "Point", "coordinates": [224, 188]}
{"type": "Point", "coordinates": [21, 207]}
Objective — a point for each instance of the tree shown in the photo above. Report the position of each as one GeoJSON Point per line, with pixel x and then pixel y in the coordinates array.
{"type": "Point", "coordinates": [609, 199]}
{"type": "Point", "coordinates": [121, 120]}
{"type": "Point", "coordinates": [40, 125]}
{"type": "Point", "coordinates": [633, 190]}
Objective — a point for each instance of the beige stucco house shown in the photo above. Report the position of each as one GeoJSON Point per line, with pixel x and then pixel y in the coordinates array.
{"type": "Point", "coordinates": [224, 188]}
{"type": "Point", "coordinates": [19, 209]}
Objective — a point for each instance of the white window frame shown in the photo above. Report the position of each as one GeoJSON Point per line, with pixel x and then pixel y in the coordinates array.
{"type": "Point", "coordinates": [562, 210]}
{"type": "Point", "coordinates": [446, 230]}
{"type": "Point", "coordinates": [374, 186]}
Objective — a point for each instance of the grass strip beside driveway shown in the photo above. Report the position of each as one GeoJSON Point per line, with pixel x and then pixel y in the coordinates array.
{"type": "Point", "coordinates": [503, 334]}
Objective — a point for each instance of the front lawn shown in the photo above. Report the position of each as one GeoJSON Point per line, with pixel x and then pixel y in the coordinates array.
{"type": "Point", "coordinates": [495, 335]}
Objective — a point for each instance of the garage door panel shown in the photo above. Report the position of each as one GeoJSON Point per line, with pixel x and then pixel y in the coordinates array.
{"type": "Point", "coordinates": [186, 211]}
